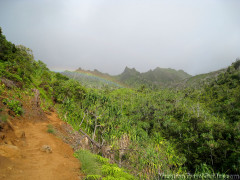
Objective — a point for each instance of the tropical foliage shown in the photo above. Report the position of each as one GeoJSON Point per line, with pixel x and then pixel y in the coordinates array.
{"type": "Point", "coordinates": [149, 132]}
{"type": "Point", "coordinates": [14, 105]}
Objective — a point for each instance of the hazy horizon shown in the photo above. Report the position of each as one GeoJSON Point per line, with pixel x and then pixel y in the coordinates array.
{"type": "Point", "coordinates": [72, 70]}
{"type": "Point", "coordinates": [195, 36]}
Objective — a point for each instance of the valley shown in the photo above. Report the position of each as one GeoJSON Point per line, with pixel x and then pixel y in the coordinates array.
{"type": "Point", "coordinates": [131, 126]}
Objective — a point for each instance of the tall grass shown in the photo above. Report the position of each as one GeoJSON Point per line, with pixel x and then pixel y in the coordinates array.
{"type": "Point", "coordinates": [89, 164]}
{"type": "Point", "coordinates": [97, 167]}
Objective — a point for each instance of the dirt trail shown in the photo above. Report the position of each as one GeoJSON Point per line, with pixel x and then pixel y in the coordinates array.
{"type": "Point", "coordinates": [23, 159]}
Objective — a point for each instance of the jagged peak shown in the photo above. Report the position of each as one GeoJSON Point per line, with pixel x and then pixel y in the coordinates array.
{"type": "Point", "coordinates": [160, 69]}
{"type": "Point", "coordinates": [127, 69]}
{"type": "Point", "coordinates": [79, 69]}
{"type": "Point", "coordinates": [95, 70]}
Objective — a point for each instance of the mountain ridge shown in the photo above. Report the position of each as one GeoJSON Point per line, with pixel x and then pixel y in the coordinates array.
{"type": "Point", "coordinates": [130, 77]}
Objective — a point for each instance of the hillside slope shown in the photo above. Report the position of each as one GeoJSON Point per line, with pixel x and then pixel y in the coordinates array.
{"type": "Point", "coordinates": [199, 80]}
{"type": "Point", "coordinates": [132, 78]}
{"type": "Point", "coordinates": [25, 82]}
{"type": "Point", "coordinates": [165, 75]}
{"type": "Point", "coordinates": [91, 79]}
{"type": "Point", "coordinates": [159, 77]}
{"type": "Point", "coordinates": [28, 151]}
{"type": "Point", "coordinates": [139, 131]}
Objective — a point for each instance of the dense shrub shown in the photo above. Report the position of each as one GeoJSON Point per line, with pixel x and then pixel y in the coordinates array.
{"type": "Point", "coordinates": [14, 105]}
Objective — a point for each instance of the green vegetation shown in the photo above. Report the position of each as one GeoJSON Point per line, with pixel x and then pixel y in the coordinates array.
{"type": "Point", "coordinates": [3, 118]}
{"type": "Point", "coordinates": [89, 163]}
{"type": "Point", "coordinates": [165, 75]}
{"type": "Point", "coordinates": [198, 81]}
{"type": "Point", "coordinates": [92, 81]}
{"type": "Point", "coordinates": [154, 79]}
{"type": "Point", "coordinates": [159, 77]}
{"type": "Point", "coordinates": [14, 105]}
{"type": "Point", "coordinates": [148, 132]}
{"type": "Point", "coordinates": [97, 167]}
{"type": "Point", "coordinates": [51, 129]}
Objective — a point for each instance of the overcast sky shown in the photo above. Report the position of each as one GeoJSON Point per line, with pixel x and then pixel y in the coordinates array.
{"type": "Point", "coordinates": [197, 36]}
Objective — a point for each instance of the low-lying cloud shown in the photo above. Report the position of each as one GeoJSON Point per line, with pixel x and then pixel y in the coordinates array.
{"type": "Point", "coordinates": [196, 36]}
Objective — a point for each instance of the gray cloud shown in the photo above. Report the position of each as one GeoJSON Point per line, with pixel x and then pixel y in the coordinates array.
{"type": "Point", "coordinates": [196, 36]}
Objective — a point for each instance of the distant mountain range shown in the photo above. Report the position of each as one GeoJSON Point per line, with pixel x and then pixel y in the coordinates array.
{"type": "Point", "coordinates": [159, 77]}
{"type": "Point", "coordinates": [155, 78]}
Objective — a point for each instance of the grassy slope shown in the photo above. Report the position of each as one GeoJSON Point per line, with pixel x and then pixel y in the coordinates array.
{"type": "Point", "coordinates": [198, 80]}
{"type": "Point", "coordinates": [91, 80]}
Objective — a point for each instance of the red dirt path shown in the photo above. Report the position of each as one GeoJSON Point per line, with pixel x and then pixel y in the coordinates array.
{"type": "Point", "coordinates": [22, 159]}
